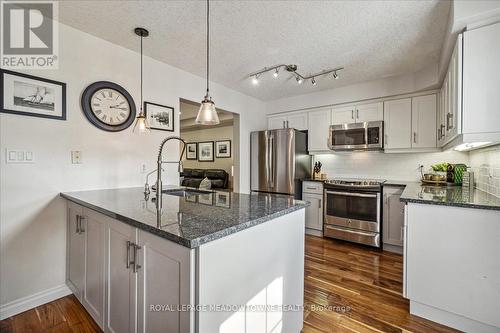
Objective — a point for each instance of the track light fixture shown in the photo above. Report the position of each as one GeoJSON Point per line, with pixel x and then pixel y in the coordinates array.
{"type": "Point", "coordinates": [293, 69]}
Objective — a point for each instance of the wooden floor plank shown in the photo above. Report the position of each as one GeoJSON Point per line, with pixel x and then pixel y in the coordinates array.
{"type": "Point", "coordinates": [347, 288]}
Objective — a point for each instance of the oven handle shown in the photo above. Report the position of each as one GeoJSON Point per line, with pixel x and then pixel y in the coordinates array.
{"type": "Point", "coordinates": [350, 194]}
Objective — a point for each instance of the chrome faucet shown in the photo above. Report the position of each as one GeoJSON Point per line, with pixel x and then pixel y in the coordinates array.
{"type": "Point", "coordinates": [159, 186]}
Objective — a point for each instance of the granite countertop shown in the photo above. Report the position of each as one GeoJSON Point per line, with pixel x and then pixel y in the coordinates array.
{"type": "Point", "coordinates": [189, 221]}
{"type": "Point", "coordinates": [449, 196]}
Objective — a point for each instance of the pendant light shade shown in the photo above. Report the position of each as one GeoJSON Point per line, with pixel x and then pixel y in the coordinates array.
{"type": "Point", "coordinates": [141, 125]}
{"type": "Point", "coordinates": [207, 115]}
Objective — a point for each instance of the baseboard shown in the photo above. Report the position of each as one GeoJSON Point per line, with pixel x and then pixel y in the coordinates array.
{"type": "Point", "coordinates": [314, 232]}
{"type": "Point", "coordinates": [393, 248]}
{"type": "Point", "coordinates": [451, 319]}
{"type": "Point", "coordinates": [29, 302]}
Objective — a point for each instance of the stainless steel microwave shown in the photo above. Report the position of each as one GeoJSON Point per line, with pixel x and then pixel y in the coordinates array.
{"type": "Point", "coordinates": [358, 136]}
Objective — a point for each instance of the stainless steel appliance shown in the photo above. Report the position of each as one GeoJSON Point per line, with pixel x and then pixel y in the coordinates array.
{"type": "Point", "coordinates": [278, 160]}
{"type": "Point", "coordinates": [353, 210]}
{"type": "Point", "coordinates": [358, 136]}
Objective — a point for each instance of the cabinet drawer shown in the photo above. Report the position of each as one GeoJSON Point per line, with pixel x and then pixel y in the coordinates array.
{"type": "Point", "coordinates": [363, 237]}
{"type": "Point", "coordinates": [312, 187]}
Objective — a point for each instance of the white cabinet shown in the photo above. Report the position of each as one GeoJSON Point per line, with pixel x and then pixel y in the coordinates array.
{"type": "Point", "coordinates": [319, 126]}
{"type": "Point", "coordinates": [163, 278]}
{"type": "Point", "coordinates": [358, 113]}
{"type": "Point", "coordinates": [393, 216]}
{"type": "Point", "coordinates": [121, 281]}
{"type": "Point", "coordinates": [454, 89]}
{"type": "Point", "coordinates": [397, 124]}
{"type": "Point", "coordinates": [276, 122]}
{"type": "Point", "coordinates": [94, 281]}
{"type": "Point", "coordinates": [369, 112]}
{"type": "Point", "coordinates": [424, 121]}
{"type": "Point", "coordinates": [343, 115]}
{"type": "Point", "coordinates": [481, 81]}
{"type": "Point", "coordinates": [290, 120]}
{"type": "Point", "coordinates": [297, 121]}
{"type": "Point", "coordinates": [75, 250]}
{"type": "Point", "coordinates": [313, 193]}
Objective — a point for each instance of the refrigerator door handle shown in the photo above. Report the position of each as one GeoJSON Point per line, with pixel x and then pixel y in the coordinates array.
{"type": "Point", "coordinates": [271, 159]}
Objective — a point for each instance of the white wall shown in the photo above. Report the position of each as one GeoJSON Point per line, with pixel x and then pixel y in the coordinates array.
{"type": "Point", "coordinates": [377, 165]}
{"type": "Point", "coordinates": [32, 215]}
{"type": "Point", "coordinates": [425, 79]}
{"type": "Point", "coordinates": [486, 166]}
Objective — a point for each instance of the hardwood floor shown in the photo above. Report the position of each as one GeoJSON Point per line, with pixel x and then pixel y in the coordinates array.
{"type": "Point", "coordinates": [363, 285]}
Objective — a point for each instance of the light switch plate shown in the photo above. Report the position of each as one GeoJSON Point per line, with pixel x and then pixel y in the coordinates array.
{"type": "Point", "coordinates": [76, 157]}
{"type": "Point", "coordinates": [19, 156]}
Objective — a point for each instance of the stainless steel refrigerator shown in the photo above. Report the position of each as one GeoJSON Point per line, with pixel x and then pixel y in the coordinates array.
{"type": "Point", "coordinates": [279, 161]}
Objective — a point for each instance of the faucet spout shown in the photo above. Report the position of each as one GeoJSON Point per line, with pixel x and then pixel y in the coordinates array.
{"type": "Point", "coordinates": [159, 187]}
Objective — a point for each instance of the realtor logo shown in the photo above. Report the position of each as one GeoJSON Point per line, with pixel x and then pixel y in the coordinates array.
{"type": "Point", "coordinates": [29, 35]}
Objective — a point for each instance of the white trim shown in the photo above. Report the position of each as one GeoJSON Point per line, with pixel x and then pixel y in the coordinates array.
{"type": "Point", "coordinates": [29, 302]}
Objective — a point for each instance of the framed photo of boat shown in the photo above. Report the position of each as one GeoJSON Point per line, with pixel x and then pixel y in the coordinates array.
{"type": "Point", "coordinates": [160, 117]}
{"type": "Point", "coordinates": [34, 96]}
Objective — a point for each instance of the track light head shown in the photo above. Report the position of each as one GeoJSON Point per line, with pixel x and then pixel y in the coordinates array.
{"type": "Point", "coordinates": [299, 79]}
{"type": "Point", "coordinates": [313, 81]}
{"type": "Point", "coordinates": [335, 75]}
{"type": "Point", "coordinates": [276, 73]}
{"type": "Point", "coordinates": [255, 80]}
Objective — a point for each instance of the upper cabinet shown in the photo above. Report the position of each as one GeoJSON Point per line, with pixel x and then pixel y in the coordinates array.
{"type": "Point", "coordinates": [481, 81]}
{"type": "Point", "coordinates": [423, 121]}
{"type": "Point", "coordinates": [291, 120]}
{"type": "Point", "coordinates": [358, 113]}
{"type": "Point", "coordinates": [319, 126]}
{"type": "Point", "coordinates": [397, 124]}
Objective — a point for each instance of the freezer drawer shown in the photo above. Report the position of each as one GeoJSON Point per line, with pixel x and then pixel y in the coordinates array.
{"type": "Point", "coordinates": [357, 236]}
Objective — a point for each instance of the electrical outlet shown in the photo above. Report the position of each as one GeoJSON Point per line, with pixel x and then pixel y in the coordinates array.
{"type": "Point", "coordinates": [76, 157]}
{"type": "Point", "coordinates": [143, 168]}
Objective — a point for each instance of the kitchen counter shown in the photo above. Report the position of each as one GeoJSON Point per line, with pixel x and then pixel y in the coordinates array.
{"type": "Point", "coordinates": [449, 196]}
{"type": "Point", "coordinates": [189, 221]}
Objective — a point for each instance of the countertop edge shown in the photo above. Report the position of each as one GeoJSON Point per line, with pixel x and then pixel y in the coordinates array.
{"type": "Point", "coordinates": [194, 243]}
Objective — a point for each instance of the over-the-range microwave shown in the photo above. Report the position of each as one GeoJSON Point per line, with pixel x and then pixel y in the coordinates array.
{"type": "Point", "coordinates": [357, 136]}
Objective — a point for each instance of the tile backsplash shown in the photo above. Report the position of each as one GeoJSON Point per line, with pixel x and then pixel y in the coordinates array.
{"type": "Point", "coordinates": [377, 165]}
{"type": "Point", "coordinates": [486, 166]}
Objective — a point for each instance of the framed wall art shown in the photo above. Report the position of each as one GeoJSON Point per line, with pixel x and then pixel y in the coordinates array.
{"type": "Point", "coordinates": [206, 151]}
{"type": "Point", "coordinates": [223, 149]}
{"type": "Point", "coordinates": [160, 117]}
{"type": "Point", "coordinates": [33, 96]}
{"type": "Point", "coordinates": [191, 151]}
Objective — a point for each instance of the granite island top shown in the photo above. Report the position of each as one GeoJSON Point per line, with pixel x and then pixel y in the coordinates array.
{"type": "Point", "coordinates": [457, 196]}
{"type": "Point", "coordinates": [190, 220]}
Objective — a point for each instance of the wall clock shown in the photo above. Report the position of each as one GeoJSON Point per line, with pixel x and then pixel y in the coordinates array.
{"type": "Point", "coordinates": [108, 106]}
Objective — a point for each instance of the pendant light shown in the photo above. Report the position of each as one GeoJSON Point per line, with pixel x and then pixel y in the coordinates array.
{"type": "Point", "coordinates": [207, 115]}
{"type": "Point", "coordinates": [141, 123]}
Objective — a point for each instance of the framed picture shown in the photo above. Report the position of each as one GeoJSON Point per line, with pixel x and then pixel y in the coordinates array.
{"type": "Point", "coordinates": [33, 96]}
{"type": "Point", "coordinates": [206, 199]}
{"type": "Point", "coordinates": [206, 151]}
{"type": "Point", "coordinates": [223, 149]}
{"type": "Point", "coordinates": [160, 117]}
{"type": "Point", "coordinates": [191, 151]}
{"type": "Point", "coordinates": [222, 199]}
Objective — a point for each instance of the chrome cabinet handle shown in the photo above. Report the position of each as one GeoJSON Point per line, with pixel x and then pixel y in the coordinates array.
{"type": "Point", "coordinates": [136, 267]}
{"type": "Point", "coordinates": [414, 137]}
{"type": "Point", "coordinates": [357, 113]}
{"type": "Point", "coordinates": [439, 134]}
{"type": "Point", "coordinates": [450, 118]}
{"type": "Point", "coordinates": [128, 253]}
{"type": "Point", "coordinates": [319, 204]}
{"type": "Point", "coordinates": [442, 131]}
{"type": "Point", "coordinates": [77, 224]}
{"type": "Point", "coordinates": [287, 124]}
{"type": "Point", "coordinates": [311, 188]}
{"type": "Point", "coordinates": [81, 225]}
{"type": "Point", "coordinates": [352, 114]}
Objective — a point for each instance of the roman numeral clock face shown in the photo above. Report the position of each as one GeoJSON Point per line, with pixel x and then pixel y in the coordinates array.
{"type": "Point", "coordinates": [108, 106]}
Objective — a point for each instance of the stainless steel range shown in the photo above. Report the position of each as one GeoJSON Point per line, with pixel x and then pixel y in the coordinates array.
{"type": "Point", "coordinates": [353, 210]}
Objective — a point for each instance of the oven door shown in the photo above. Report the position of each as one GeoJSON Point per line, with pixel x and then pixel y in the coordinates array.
{"type": "Point", "coordinates": [355, 210]}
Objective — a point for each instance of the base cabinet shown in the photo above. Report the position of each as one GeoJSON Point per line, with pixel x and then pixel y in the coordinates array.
{"type": "Point", "coordinates": [75, 250]}
{"type": "Point", "coordinates": [393, 217]}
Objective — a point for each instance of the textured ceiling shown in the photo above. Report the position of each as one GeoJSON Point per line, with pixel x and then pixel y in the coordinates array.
{"type": "Point", "coordinates": [371, 39]}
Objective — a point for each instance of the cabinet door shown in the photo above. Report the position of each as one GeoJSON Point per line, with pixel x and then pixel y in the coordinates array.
{"type": "Point", "coordinates": [76, 250]}
{"type": "Point", "coordinates": [314, 212]}
{"type": "Point", "coordinates": [369, 112]}
{"type": "Point", "coordinates": [319, 126]}
{"type": "Point", "coordinates": [297, 121]}
{"type": "Point", "coordinates": [93, 226]}
{"type": "Point", "coordinates": [163, 278]}
{"type": "Point", "coordinates": [343, 115]}
{"type": "Point", "coordinates": [276, 122]}
{"type": "Point", "coordinates": [454, 116]}
{"type": "Point", "coordinates": [441, 118]}
{"type": "Point", "coordinates": [424, 121]}
{"type": "Point", "coordinates": [393, 217]}
{"type": "Point", "coordinates": [121, 281]}
{"type": "Point", "coordinates": [397, 124]}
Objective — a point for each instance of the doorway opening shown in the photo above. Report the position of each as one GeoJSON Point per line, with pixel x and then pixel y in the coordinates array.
{"type": "Point", "coordinates": [212, 151]}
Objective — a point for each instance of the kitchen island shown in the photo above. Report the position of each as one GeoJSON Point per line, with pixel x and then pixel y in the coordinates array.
{"type": "Point", "coordinates": [451, 256]}
{"type": "Point", "coordinates": [208, 262]}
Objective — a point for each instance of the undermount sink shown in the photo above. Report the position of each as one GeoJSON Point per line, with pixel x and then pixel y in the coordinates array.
{"type": "Point", "coordinates": [183, 192]}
